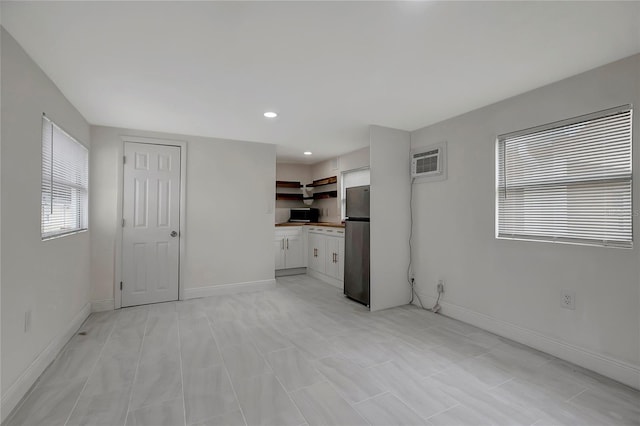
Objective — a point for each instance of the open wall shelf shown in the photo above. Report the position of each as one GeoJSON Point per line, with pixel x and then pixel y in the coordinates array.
{"type": "Point", "coordinates": [293, 196]}
{"type": "Point", "coordinates": [323, 181]}
{"type": "Point", "coordinates": [325, 194]}
{"type": "Point", "coordinates": [288, 197]}
{"type": "Point", "coordinates": [288, 184]}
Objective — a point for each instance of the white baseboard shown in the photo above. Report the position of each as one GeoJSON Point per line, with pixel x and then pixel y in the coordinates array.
{"type": "Point", "coordinates": [21, 386]}
{"type": "Point", "coordinates": [326, 278]}
{"type": "Point", "coordinates": [290, 271]}
{"type": "Point", "coordinates": [102, 305]}
{"type": "Point", "coordinates": [615, 369]}
{"type": "Point", "coordinates": [217, 290]}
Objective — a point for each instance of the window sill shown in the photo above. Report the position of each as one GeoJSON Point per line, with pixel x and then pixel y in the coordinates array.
{"type": "Point", "coordinates": [566, 242]}
{"type": "Point", "coordinates": [66, 234]}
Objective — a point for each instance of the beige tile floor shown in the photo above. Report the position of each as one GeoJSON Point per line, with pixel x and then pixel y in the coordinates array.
{"type": "Point", "coordinates": [303, 354]}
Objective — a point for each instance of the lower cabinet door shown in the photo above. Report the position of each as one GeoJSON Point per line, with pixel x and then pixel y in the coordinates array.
{"type": "Point", "coordinates": [340, 257]}
{"type": "Point", "coordinates": [294, 255]}
{"type": "Point", "coordinates": [331, 265]}
{"type": "Point", "coordinates": [279, 253]}
{"type": "Point", "coordinates": [316, 252]}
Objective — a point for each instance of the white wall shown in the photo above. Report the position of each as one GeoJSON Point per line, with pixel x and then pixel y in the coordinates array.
{"type": "Point", "coordinates": [390, 183]}
{"type": "Point", "coordinates": [1, 392]}
{"type": "Point", "coordinates": [49, 278]}
{"type": "Point", "coordinates": [293, 172]}
{"type": "Point", "coordinates": [513, 287]}
{"type": "Point", "coordinates": [230, 211]}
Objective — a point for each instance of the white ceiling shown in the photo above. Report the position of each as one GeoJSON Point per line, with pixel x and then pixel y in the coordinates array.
{"type": "Point", "coordinates": [328, 68]}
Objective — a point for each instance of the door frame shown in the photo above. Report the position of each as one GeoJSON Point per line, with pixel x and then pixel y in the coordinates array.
{"type": "Point", "coordinates": [120, 205]}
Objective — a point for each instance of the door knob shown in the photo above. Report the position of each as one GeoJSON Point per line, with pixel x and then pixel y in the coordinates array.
{"type": "Point", "coordinates": [174, 234]}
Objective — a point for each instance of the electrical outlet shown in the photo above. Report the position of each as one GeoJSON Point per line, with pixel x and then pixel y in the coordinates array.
{"type": "Point", "coordinates": [440, 286]}
{"type": "Point", "coordinates": [568, 299]}
{"type": "Point", "coordinates": [27, 321]}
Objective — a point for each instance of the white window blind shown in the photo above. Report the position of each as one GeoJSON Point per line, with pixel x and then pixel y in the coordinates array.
{"type": "Point", "coordinates": [65, 182]}
{"type": "Point", "coordinates": [568, 181]}
{"type": "Point", "coordinates": [357, 177]}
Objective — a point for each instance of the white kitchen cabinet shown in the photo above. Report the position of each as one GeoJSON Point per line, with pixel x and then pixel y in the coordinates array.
{"type": "Point", "coordinates": [289, 248]}
{"type": "Point", "coordinates": [326, 254]}
{"type": "Point", "coordinates": [294, 251]}
{"type": "Point", "coordinates": [316, 250]}
{"type": "Point", "coordinates": [278, 246]}
{"type": "Point", "coordinates": [330, 260]}
{"type": "Point", "coordinates": [340, 257]}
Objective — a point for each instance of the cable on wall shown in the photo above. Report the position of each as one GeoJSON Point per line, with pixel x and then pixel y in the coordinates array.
{"type": "Point", "coordinates": [410, 279]}
{"type": "Point", "coordinates": [412, 282]}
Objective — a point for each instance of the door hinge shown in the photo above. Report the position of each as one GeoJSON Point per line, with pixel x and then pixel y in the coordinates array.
{"type": "Point", "coordinates": [123, 222]}
{"type": "Point", "coordinates": [120, 285]}
{"type": "Point", "coordinates": [124, 159]}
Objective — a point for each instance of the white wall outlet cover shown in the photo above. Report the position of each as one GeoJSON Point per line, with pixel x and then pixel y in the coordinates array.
{"type": "Point", "coordinates": [27, 321]}
{"type": "Point", "coordinates": [568, 299]}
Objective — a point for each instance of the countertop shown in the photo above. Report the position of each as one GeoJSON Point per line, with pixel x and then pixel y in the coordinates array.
{"type": "Point", "coordinates": [329, 224]}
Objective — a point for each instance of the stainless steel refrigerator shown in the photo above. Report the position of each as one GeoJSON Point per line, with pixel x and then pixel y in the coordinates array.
{"type": "Point", "coordinates": [356, 245]}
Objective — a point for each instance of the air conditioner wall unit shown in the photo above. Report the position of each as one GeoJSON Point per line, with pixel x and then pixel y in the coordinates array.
{"type": "Point", "coordinates": [429, 162]}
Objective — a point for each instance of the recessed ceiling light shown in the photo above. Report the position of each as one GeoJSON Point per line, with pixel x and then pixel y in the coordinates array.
{"type": "Point", "coordinates": [307, 153]}
{"type": "Point", "coordinates": [270, 114]}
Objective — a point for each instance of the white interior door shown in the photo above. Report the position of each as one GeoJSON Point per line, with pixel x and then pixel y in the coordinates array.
{"type": "Point", "coordinates": [151, 213]}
